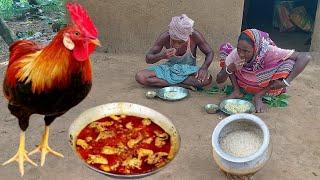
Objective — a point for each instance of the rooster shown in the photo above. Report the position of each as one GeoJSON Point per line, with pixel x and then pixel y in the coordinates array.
{"type": "Point", "coordinates": [49, 80]}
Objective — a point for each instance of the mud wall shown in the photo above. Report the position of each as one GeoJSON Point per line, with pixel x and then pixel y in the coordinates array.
{"type": "Point", "coordinates": [132, 26]}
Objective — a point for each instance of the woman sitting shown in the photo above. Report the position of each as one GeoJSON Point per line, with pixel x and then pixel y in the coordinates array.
{"type": "Point", "coordinates": [258, 66]}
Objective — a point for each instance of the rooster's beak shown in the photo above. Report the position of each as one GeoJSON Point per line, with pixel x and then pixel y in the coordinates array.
{"type": "Point", "coordinates": [95, 42]}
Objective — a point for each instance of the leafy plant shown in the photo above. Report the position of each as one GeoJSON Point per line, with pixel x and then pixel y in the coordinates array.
{"type": "Point", "coordinates": [272, 101]}
{"type": "Point", "coordinates": [9, 9]}
{"type": "Point", "coordinates": [30, 33]}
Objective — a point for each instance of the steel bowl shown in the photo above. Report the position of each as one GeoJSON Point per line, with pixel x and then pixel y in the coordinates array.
{"type": "Point", "coordinates": [241, 165]}
{"type": "Point", "coordinates": [176, 93]}
{"type": "Point", "coordinates": [151, 94]}
{"type": "Point", "coordinates": [211, 108]}
{"type": "Point", "coordinates": [223, 104]}
{"type": "Point", "coordinates": [124, 108]}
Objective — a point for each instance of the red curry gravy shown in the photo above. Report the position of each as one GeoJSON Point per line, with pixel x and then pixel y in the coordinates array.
{"type": "Point", "coordinates": [124, 145]}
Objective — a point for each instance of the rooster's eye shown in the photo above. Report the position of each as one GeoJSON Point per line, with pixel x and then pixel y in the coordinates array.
{"type": "Point", "coordinates": [77, 33]}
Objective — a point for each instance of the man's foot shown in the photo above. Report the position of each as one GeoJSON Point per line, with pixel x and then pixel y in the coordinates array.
{"type": "Point", "coordinates": [235, 95]}
{"type": "Point", "coordinates": [260, 106]}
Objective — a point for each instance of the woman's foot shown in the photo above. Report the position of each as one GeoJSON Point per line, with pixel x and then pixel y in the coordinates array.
{"type": "Point", "coordinates": [260, 106]}
{"type": "Point", "coordinates": [236, 94]}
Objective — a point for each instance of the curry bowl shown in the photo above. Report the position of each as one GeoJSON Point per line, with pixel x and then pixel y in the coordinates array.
{"type": "Point", "coordinates": [124, 109]}
{"type": "Point", "coordinates": [234, 106]}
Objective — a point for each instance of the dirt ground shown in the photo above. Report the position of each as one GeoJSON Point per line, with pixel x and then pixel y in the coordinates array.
{"type": "Point", "coordinates": [295, 130]}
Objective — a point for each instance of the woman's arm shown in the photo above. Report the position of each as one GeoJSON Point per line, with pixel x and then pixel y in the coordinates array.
{"type": "Point", "coordinates": [222, 76]}
{"type": "Point", "coordinates": [302, 59]}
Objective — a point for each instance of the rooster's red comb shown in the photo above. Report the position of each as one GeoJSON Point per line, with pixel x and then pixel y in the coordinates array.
{"type": "Point", "coordinates": [80, 17]}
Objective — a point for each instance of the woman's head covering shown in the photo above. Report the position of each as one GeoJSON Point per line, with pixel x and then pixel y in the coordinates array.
{"type": "Point", "coordinates": [181, 27]}
{"type": "Point", "coordinates": [261, 42]}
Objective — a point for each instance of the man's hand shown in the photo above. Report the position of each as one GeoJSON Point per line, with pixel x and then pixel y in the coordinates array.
{"type": "Point", "coordinates": [168, 53]}
{"type": "Point", "coordinates": [202, 74]}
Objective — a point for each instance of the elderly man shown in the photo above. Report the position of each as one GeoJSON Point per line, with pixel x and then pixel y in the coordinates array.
{"type": "Point", "coordinates": [180, 44]}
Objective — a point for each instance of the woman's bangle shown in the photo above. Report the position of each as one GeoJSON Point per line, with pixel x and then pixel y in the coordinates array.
{"type": "Point", "coordinates": [286, 82]}
{"type": "Point", "coordinates": [228, 71]}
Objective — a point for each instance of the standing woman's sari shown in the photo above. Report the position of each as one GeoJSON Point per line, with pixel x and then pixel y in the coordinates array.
{"type": "Point", "coordinates": [268, 63]}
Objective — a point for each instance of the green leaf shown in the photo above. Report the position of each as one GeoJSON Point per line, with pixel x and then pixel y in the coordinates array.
{"type": "Point", "coordinates": [214, 89]}
{"type": "Point", "coordinates": [30, 33]}
{"type": "Point", "coordinates": [211, 92]}
{"type": "Point", "coordinates": [267, 98]}
{"type": "Point", "coordinates": [228, 89]}
{"type": "Point", "coordinates": [271, 101]}
{"type": "Point", "coordinates": [284, 96]}
{"type": "Point", "coordinates": [284, 101]}
{"type": "Point", "coordinates": [242, 91]}
{"type": "Point", "coordinates": [283, 104]}
{"type": "Point", "coordinates": [273, 104]}
{"type": "Point", "coordinates": [248, 97]}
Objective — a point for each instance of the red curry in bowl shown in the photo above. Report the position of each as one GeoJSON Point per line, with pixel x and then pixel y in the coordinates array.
{"type": "Point", "coordinates": [123, 144]}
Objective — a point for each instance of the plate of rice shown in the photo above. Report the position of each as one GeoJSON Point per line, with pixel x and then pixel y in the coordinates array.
{"type": "Point", "coordinates": [235, 106]}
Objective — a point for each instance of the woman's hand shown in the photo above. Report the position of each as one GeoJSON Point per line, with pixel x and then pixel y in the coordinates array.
{"type": "Point", "coordinates": [232, 68]}
{"type": "Point", "coordinates": [277, 84]}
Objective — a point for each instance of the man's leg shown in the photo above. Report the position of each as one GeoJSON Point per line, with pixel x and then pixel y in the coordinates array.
{"type": "Point", "coordinates": [149, 78]}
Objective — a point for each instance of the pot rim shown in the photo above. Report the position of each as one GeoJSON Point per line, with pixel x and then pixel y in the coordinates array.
{"type": "Point", "coordinates": [72, 133]}
{"type": "Point", "coordinates": [237, 117]}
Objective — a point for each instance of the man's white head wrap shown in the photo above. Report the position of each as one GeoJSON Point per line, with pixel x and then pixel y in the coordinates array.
{"type": "Point", "coordinates": [181, 27]}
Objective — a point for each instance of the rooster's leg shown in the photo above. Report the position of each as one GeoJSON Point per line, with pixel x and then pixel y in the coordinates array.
{"type": "Point", "coordinates": [44, 148]}
{"type": "Point", "coordinates": [21, 155]}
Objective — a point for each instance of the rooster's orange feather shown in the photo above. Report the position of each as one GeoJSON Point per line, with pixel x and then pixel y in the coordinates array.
{"type": "Point", "coordinates": [46, 68]}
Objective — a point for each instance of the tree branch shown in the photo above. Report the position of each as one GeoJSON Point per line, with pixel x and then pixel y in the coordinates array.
{"type": "Point", "coordinates": [6, 33]}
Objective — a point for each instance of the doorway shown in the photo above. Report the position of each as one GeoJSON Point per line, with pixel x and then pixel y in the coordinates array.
{"type": "Point", "coordinates": [288, 22]}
